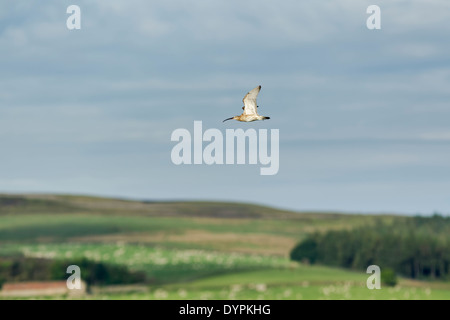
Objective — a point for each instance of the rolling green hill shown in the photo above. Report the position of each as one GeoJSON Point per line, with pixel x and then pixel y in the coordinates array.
{"type": "Point", "coordinates": [192, 250]}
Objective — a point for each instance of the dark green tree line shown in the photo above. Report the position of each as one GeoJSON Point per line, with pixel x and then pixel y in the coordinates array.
{"type": "Point", "coordinates": [418, 247]}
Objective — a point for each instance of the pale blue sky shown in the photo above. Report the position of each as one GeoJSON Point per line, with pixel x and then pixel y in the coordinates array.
{"type": "Point", "coordinates": [364, 115]}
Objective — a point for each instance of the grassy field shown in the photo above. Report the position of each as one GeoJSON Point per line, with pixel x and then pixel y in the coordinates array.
{"type": "Point", "coordinates": [193, 250]}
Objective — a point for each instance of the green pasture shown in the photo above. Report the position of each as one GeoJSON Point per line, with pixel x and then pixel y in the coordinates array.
{"type": "Point", "coordinates": [193, 250]}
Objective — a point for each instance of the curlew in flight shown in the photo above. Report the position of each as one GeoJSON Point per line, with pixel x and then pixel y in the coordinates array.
{"type": "Point", "coordinates": [250, 113]}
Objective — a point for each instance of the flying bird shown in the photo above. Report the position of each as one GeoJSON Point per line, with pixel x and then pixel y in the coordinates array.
{"type": "Point", "coordinates": [250, 113]}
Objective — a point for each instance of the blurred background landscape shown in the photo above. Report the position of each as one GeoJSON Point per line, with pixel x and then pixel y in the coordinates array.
{"type": "Point", "coordinates": [86, 176]}
{"type": "Point", "coordinates": [209, 250]}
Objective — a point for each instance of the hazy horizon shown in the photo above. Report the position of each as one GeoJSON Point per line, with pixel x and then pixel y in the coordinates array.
{"type": "Point", "coordinates": [171, 200]}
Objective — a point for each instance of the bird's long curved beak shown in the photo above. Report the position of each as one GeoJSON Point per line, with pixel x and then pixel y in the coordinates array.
{"type": "Point", "coordinates": [228, 119]}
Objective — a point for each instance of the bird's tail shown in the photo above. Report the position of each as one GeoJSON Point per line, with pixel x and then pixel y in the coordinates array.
{"type": "Point", "coordinates": [266, 118]}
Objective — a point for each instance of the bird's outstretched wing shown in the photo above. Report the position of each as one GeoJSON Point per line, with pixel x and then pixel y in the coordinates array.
{"type": "Point", "coordinates": [250, 101]}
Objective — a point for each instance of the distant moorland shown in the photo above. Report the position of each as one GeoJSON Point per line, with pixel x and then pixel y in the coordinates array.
{"type": "Point", "coordinates": [212, 250]}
